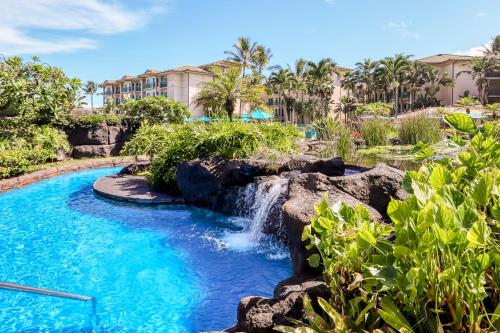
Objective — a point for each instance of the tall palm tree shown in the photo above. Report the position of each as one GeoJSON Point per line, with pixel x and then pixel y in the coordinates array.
{"type": "Point", "coordinates": [479, 67]}
{"type": "Point", "coordinates": [243, 53]}
{"type": "Point", "coordinates": [299, 86]}
{"type": "Point", "coordinates": [364, 72]}
{"type": "Point", "coordinates": [393, 71]}
{"type": "Point", "coordinates": [261, 58]}
{"type": "Point", "coordinates": [319, 78]}
{"type": "Point", "coordinates": [90, 89]}
{"type": "Point", "coordinates": [227, 89]}
{"type": "Point", "coordinates": [281, 83]}
{"type": "Point", "coordinates": [494, 48]}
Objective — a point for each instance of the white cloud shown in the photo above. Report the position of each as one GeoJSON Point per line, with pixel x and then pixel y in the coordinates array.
{"type": "Point", "coordinates": [402, 29]}
{"type": "Point", "coordinates": [474, 51]}
{"type": "Point", "coordinates": [20, 18]}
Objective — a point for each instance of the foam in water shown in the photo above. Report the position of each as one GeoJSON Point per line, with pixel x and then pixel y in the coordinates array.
{"type": "Point", "coordinates": [263, 197]}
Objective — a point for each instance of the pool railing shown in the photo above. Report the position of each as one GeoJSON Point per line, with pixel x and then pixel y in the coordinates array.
{"type": "Point", "coordinates": [47, 292]}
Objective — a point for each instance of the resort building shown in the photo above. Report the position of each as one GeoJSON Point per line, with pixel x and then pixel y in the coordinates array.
{"type": "Point", "coordinates": [452, 65]}
{"type": "Point", "coordinates": [181, 84]}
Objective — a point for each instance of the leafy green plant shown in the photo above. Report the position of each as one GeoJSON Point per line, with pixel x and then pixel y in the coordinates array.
{"type": "Point", "coordinates": [375, 132]}
{"type": "Point", "coordinates": [412, 130]}
{"type": "Point", "coordinates": [22, 151]}
{"type": "Point", "coordinates": [157, 110]}
{"type": "Point", "coordinates": [149, 140]}
{"type": "Point", "coordinates": [328, 129]}
{"type": "Point", "coordinates": [441, 270]}
{"type": "Point", "coordinates": [375, 109]}
{"type": "Point", "coordinates": [218, 139]}
{"type": "Point", "coordinates": [466, 103]}
{"type": "Point", "coordinates": [94, 120]}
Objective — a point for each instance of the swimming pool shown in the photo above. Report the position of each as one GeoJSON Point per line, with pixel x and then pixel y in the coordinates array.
{"type": "Point", "coordinates": [151, 269]}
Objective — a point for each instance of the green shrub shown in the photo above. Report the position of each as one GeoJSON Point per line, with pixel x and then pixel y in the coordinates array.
{"type": "Point", "coordinates": [341, 137]}
{"type": "Point", "coordinates": [376, 132]}
{"type": "Point", "coordinates": [149, 140]}
{"type": "Point", "coordinates": [157, 110]}
{"type": "Point", "coordinates": [440, 272]}
{"type": "Point", "coordinates": [94, 120]}
{"type": "Point", "coordinates": [412, 130]}
{"type": "Point", "coordinates": [188, 141]}
{"type": "Point", "coordinates": [24, 150]}
{"type": "Point", "coordinates": [375, 109]}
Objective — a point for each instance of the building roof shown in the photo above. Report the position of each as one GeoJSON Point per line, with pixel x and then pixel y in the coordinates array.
{"type": "Point", "coordinates": [127, 78]}
{"type": "Point", "coordinates": [442, 58]}
{"type": "Point", "coordinates": [186, 69]}
{"type": "Point", "coordinates": [149, 72]}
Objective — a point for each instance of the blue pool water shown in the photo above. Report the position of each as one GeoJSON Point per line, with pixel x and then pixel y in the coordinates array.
{"type": "Point", "coordinates": [151, 269]}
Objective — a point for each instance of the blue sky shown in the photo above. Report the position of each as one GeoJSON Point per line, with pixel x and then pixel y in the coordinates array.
{"type": "Point", "coordinates": [101, 39]}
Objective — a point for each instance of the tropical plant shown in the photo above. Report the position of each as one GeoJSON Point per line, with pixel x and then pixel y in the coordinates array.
{"type": "Point", "coordinates": [479, 67]}
{"type": "Point", "coordinates": [34, 91]}
{"type": "Point", "coordinates": [90, 89]}
{"type": "Point", "coordinates": [493, 109]}
{"type": "Point", "coordinates": [412, 130]}
{"type": "Point", "coordinates": [226, 90]}
{"type": "Point", "coordinates": [375, 131]}
{"type": "Point", "coordinates": [218, 139]}
{"type": "Point", "coordinates": [393, 72]}
{"type": "Point", "coordinates": [149, 140]}
{"type": "Point", "coordinates": [466, 103]}
{"type": "Point", "coordinates": [320, 84]}
{"type": "Point", "coordinates": [339, 135]}
{"type": "Point", "coordinates": [281, 83]}
{"type": "Point", "coordinates": [440, 269]}
{"type": "Point", "coordinates": [243, 53]}
{"type": "Point", "coordinates": [261, 59]}
{"type": "Point", "coordinates": [157, 110]}
{"type": "Point", "coordinates": [494, 48]}
{"type": "Point", "coordinates": [375, 109]}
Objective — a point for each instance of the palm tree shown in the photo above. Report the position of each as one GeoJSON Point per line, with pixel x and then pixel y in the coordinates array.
{"type": "Point", "coordinates": [244, 52]}
{"type": "Point", "coordinates": [364, 73]}
{"type": "Point", "coordinates": [281, 83]}
{"type": "Point", "coordinates": [261, 58]}
{"type": "Point", "coordinates": [466, 103]}
{"type": "Point", "coordinates": [319, 79]}
{"type": "Point", "coordinates": [227, 89]}
{"type": "Point", "coordinates": [494, 48]}
{"type": "Point", "coordinates": [479, 67]}
{"type": "Point", "coordinates": [393, 71]}
{"type": "Point", "coordinates": [90, 89]}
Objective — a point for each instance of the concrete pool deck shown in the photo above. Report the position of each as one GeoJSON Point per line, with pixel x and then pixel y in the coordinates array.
{"type": "Point", "coordinates": [132, 189]}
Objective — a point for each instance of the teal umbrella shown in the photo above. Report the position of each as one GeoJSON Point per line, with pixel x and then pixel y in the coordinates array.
{"type": "Point", "coordinates": [188, 120]}
{"type": "Point", "coordinates": [260, 115]}
{"type": "Point", "coordinates": [203, 119]}
{"type": "Point", "coordinates": [245, 119]}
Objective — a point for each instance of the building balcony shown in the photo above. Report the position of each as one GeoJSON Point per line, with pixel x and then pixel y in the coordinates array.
{"type": "Point", "coordinates": [149, 85]}
{"type": "Point", "coordinates": [494, 93]}
{"type": "Point", "coordinates": [127, 89]}
{"type": "Point", "coordinates": [108, 92]}
{"type": "Point", "coordinates": [492, 75]}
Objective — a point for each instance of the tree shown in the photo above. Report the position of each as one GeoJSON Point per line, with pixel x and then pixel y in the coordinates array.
{"type": "Point", "coordinates": [319, 80]}
{"type": "Point", "coordinates": [227, 89]}
{"type": "Point", "coordinates": [281, 83]}
{"type": "Point", "coordinates": [466, 103]}
{"type": "Point", "coordinates": [90, 89]}
{"type": "Point", "coordinates": [479, 67]}
{"type": "Point", "coordinates": [156, 110]}
{"type": "Point", "coordinates": [392, 73]}
{"type": "Point", "coordinates": [261, 58]}
{"type": "Point", "coordinates": [494, 48]}
{"type": "Point", "coordinates": [244, 53]}
{"type": "Point", "coordinates": [493, 109]}
{"type": "Point", "coordinates": [34, 91]}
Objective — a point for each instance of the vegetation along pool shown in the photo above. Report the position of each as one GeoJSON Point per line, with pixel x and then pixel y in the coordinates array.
{"type": "Point", "coordinates": [151, 269]}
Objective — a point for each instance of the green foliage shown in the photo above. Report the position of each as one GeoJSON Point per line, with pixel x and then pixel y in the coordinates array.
{"type": "Point", "coordinates": [22, 151]}
{"type": "Point", "coordinates": [157, 110]}
{"type": "Point", "coordinates": [34, 91]}
{"type": "Point", "coordinates": [328, 129]}
{"type": "Point", "coordinates": [218, 139]}
{"type": "Point", "coordinates": [149, 140]}
{"type": "Point", "coordinates": [415, 129]}
{"type": "Point", "coordinates": [375, 132]}
{"type": "Point", "coordinates": [375, 109]}
{"type": "Point", "coordinates": [94, 120]}
{"type": "Point", "coordinates": [441, 270]}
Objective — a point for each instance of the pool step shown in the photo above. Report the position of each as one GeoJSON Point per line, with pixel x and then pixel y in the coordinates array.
{"type": "Point", "coordinates": [47, 292]}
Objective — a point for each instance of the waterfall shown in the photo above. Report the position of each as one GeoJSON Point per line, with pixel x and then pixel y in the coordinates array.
{"type": "Point", "coordinates": [259, 199]}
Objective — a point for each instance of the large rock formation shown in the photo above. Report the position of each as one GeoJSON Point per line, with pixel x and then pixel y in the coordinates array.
{"type": "Point", "coordinates": [97, 141]}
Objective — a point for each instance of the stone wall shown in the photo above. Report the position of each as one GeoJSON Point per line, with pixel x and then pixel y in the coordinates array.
{"type": "Point", "coordinates": [98, 141]}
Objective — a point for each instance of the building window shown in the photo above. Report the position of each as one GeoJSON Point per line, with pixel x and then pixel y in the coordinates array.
{"type": "Point", "coordinates": [270, 102]}
{"type": "Point", "coordinates": [150, 83]}
{"type": "Point", "coordinates": [138, 86]}
{"type": "Point", "coordinates": [150, 93]}
{"type": "Point", "coordinates": [137, 97]}
{"type": "Point", "coordinates": [163, 82]}
{"type": "Point", "coordinates": [164, 93]}
{"type": "Point", "coordinates": [117, 101]}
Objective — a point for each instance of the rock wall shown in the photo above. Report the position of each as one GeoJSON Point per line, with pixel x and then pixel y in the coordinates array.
{"type": "Point", "coordinates": [98, 141]}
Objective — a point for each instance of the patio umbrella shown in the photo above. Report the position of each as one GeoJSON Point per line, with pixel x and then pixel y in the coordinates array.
{"type": "Point", "coordinates": [188, 120]}
{"type": "Point", "coordinates": [260, 115]}
{"type": "Point", "coordinates": [203, 119]}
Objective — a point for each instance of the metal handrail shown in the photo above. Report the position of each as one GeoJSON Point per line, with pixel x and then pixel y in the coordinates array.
{"type": "Point", "coordinates": [47, 292]}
